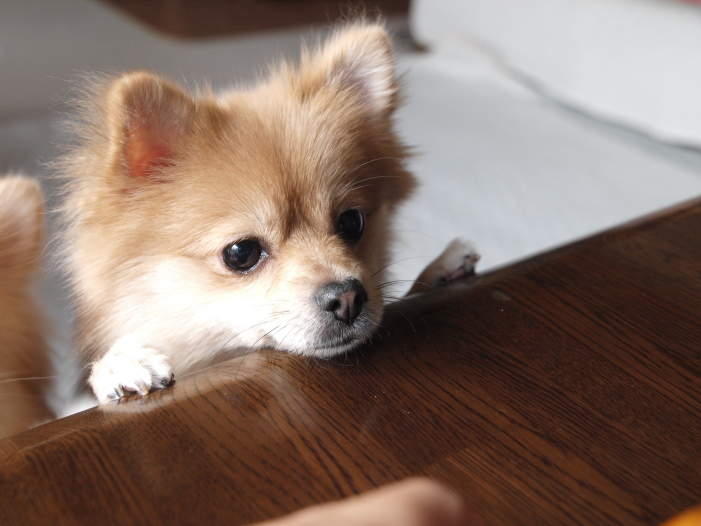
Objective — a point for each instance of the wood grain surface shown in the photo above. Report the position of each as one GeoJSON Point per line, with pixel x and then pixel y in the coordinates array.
{"type": "Point", "coordinates": [216, 18]}
{"type": "Point", "coordinates": [562, 390]}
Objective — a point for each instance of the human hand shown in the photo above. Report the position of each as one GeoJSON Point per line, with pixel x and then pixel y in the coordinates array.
{"type": "Point", "coordinates": [412, 502]}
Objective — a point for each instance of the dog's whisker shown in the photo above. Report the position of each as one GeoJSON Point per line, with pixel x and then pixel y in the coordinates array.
{"type": "Point", "coordinates": [395, 263]}
{"type": "Point", "coordinates": [250, 350]}
{"type": "Point", "coordinates": [413, 328]}
{"type": "Point", "coordinates": [30, 378]}
{"type": "Point", "coordinates": [133, 308]}
{"type": "Point", "coordinates": [357, 185]}
{"type": "Point", "coordinates": [393, 282]}
{"type": "Point", "coordinates": [317, 363]}
{"type": "Point", "coordinates": [226, 344]}
{"type": "Point", "coordinates": [388, 158]}
{"type": "Point", "coordinates": [281, 342]}
{"type": "Point", "coordinates": [13, 373]}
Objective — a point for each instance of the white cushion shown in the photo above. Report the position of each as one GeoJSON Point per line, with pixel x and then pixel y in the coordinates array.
{"type": "Point", "coordinates": [516, 174]}
{"type": "Point", "coordinates": [632, 61]}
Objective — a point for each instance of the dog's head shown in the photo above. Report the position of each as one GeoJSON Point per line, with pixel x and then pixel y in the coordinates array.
{"type": "Point", "coordinates": [261, 216]}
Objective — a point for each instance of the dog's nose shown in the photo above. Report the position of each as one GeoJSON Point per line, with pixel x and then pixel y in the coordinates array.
{"type": "Point", "coordinates": [344, 299]}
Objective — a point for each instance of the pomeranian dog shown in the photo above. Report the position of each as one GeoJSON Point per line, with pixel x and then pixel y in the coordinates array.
{"type": "Point", "coordinates": [202, 226]}
{"type": "Point", "coordinates": [23, 352]}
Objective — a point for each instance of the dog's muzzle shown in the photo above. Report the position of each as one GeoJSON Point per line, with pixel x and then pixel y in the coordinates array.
{"type": "Point", "coordinates": [344, 299]}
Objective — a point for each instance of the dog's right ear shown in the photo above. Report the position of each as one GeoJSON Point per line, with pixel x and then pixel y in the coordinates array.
{"type": "Point", "coordinates": [357, 61]}
{"type": "Point", "coordinates": [148, 118]}
{"type": "Point", "coordinates": [21, 218]}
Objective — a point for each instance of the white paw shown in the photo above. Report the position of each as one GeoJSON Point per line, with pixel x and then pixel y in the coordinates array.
{"type": "Point", "coordinates": [457, 261]}
{"type": "Point", "coordinates": [129, 366]}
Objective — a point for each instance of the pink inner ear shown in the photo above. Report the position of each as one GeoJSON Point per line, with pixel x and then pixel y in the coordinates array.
{"type": "Point", "coordinates": [146, 152]}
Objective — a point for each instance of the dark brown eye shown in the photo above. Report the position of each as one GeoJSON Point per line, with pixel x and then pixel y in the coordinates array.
{"type": "Point", "coordinates": [243, 255]}
{"type": "Point", "coordinates": [351, 224]}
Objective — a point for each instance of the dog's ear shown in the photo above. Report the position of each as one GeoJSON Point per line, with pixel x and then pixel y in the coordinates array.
{"type": "Point", "coordinates": [148, 118]}
{"type": "Point", "coordinates": [21, 222]}
{"type": "Point", "coordinates": [357, 60]}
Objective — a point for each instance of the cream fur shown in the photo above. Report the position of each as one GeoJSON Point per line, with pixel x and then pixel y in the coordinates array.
{"type": "Point", "coordinates": [162, 180]}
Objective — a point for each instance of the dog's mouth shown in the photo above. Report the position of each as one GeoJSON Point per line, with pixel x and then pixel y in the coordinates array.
{"type": "Point", "coordinates": [329, 345]}
{"type": "Point", "coordinates": [337, 338]}
{"type": "Point", "coordinates": [347, 342]}
{"type": "Point", "coordinates": [330, 349]}
{"type": "Point", "coordinates": [323, 336]}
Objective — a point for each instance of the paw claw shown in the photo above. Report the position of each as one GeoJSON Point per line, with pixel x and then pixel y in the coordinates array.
{"type": "Point", "coordinates": [129, 367]}
{"type": "Point", "coordinates": [165, 382]}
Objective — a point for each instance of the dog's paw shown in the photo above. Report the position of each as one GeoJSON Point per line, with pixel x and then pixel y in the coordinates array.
{"type": "Point", "coordinates": [129, 367]}
{"type": "Point", "coordinates": [456, 262]}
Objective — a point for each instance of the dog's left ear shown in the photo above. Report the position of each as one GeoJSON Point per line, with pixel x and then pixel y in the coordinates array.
{"type": "Point", "coordinates": [358, 60]}
{"type": "Point", "coordinates": [149, 117]}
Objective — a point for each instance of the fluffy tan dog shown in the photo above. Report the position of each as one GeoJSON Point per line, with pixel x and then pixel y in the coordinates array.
{"type": "Point", "coordinates": [203, 226]}
{"type": "Point", "coordinates": [23, 354]}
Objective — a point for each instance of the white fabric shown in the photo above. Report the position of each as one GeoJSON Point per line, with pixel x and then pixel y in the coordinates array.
{"type": "Point", "coordinates": [44, 44]}
{"type": "Point", "coordinates": [516, 174]}
{"type": "Point", "coordinates": [632, 61]}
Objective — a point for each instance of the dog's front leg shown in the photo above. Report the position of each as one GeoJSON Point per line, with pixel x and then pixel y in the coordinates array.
{"type": "Point", "coordinates": [130, 366]}
{"type": "Point", "coordinates": [456, 262]}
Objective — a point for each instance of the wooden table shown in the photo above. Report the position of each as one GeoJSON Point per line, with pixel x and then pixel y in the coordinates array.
{"type": "Point", "coordinates": [562, 390]}
{"type": "Point", "coordinates": [216, 18]}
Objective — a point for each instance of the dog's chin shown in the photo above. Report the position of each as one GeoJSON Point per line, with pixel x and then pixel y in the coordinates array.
{"type": "Point", "coordinates": [331, 349]}
{"type": "Point", "coordinates": [328, 347]}
{"type": "Point", "coordinates": [330, 338]}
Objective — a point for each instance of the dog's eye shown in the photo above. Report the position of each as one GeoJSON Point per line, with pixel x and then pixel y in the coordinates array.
{"type": "Point", "coordinates": [243, 255]}
{"type": "Point", "coordinates": [351, 224]}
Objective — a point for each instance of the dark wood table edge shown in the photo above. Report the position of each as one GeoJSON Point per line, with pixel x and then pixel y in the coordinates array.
{"type": "Point", "coordinates": [11, 444]}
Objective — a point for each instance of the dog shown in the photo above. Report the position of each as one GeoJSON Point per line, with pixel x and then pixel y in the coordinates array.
{"type": "Point", "coordinates": [201, 226]}
{"type": "Point", "coordinates": [24, 358]}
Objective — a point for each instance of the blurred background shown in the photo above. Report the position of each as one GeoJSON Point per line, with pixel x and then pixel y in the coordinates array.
{"type": "Point", "coordinates": [535, 122]}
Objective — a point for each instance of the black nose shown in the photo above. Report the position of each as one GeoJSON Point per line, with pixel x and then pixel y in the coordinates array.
{"type": "Point", "coordinates": [344, 299]}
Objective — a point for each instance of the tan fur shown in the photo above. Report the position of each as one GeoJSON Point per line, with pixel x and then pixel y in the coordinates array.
{"type": "Point", "coordinates": [162, 180]}
{"type": "Point", "coordinates": [23, 353]}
